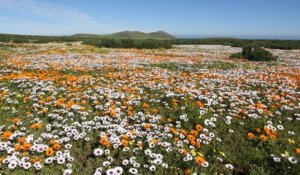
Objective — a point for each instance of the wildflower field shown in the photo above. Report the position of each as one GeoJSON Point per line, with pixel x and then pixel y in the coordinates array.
{"type": "Point", "coordinates": [186, 110]}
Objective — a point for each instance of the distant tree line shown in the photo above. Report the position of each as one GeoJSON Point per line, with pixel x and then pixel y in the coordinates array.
{"type": "Point", "coordinates": [129, 43]}
{"type": "Point", "coordinates": [151, 43]}
{"type": "Point", "coordinates": [272, 44]}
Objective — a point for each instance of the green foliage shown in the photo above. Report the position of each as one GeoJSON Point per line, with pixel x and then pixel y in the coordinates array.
{"type": "Point", "coordinates": [141, 39]}
{"type": "Point", "coordinates": [111, 43]}
{"type": "Point", "coordinates": [152, 44]}
{"type": "Point", "coordinates": [255, 53]}
{"type": "Point", "coordinates": [236, 56]}
{"type": "Point", "coordinates": [233, 42]}
{"type": "Point", "coordinates": [129, 43]}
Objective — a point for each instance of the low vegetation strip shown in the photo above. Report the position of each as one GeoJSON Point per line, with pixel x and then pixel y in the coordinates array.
{"type": "Point", "coordinates": [140, 40]}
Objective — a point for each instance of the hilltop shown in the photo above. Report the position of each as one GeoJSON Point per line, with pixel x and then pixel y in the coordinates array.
{"type": "Point", "coordinates": [132, 35]}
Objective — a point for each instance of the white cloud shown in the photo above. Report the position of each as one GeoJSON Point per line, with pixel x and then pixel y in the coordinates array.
{"type": "Point", "coordinates": [66, 20]}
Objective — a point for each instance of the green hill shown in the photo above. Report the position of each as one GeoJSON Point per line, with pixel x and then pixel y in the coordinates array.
{"type": "Point", "coordinates": [131, 35]}
{"type": "Point", "coordinates": [142, 35]}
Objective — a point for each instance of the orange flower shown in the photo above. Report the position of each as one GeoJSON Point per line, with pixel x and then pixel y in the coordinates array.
{"type": "Point", "coordinates": [44, 111]}
{"type": "Point", "coordinates": [5, 92]}
{"type": "Point", "coordinates": [18, 147]}
{"type": "Point", "coordinates": [155, 111]}
{"type": "Point", "coordinates": [200, 104]}
{"type": "Point", "coordinates": [263, 138]}
{"type": "Point", "coordinates": [251, 135]}
{"type": "Point", "coordinates": [49, 151]}
{"type": "Point", "coordinates": [155, 141]}
{"type": "Point", "coordinates": [25, 154]}
{"type": "Point", "coordinates": [106, 144]}
{"type": "Point", "coordinates": [15, 127]}
{"type": "Point", "coordinates": [52, 142]}
{"type": "Point", "coordinates": [16, 120]}
{"type": "Point", "coordinates": [56, 146]}
{"type": "Point", "coordinates": [70, 104]}
{"type": "Point", "coordinates": [200, 160]}
{"type": "Point", "coordinates": [36, 126]}
{"type": "Point", "coordinates": [259, 105]}
{"type": "Point", "coordinates": [39, 125]}
{"type": "Point", "coordinates": [187, 171]}
{"type": "Point", "coordinates": [298, 151]}
{"type": "Point", "coordinates": [26, 146]}
{"type": "Point", "coordinates": [129, 113]}
{"type": "Point", "coordinates": [147, 126]}
{"type": "Point", "coordinates": [124, 142]}
{"type": "Point", "coordinates": [199, 127]}
{"type": "Point", "coordinates": [113, 113]}
{"type": "Point", "coordinates": [273, 137]}
{"type": "Point", "coordinates": [83, 102]}
{"type": "Point", "coordinates": [198, 145]}
{"type": "Point", "coordinates": [191, 138]}
{"type": "Point", "coordinates": [194, 133]}
{"type": "Point", "coordinates": [145, 106]}
{"type": "Point", "coordinates": [37, 159]}
{"type": "Point", "coordinates": [193, 142]}
{"type": "Point", "coordinates": [267, 130]}
{"type": "Point", "coordinates": [33, 126]}
{"type": "Point", "coordinates": [21, 140]}
{"type": "Point", "coordinates": [172, 130]}
{"type": "Point", "coordinates": [258, 130]}
{"type": "Point", "coordinates": [102, 140]}
{"type": "Point", "coordinates": [6, 135]}
{"type": "Point", "coordinates": [124, 136]}
{"type": "Point", "coordinates": [130, 108]}
{"type": "Point", "coordinates": [183, 132]}
{"type": "Point", "coordinates": [58, 103]}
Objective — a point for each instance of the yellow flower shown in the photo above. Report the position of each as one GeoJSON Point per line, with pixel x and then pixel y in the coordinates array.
{"type": "Point", "coordinates": [193, 152]}
{"type": "Point", "coordinates": [291, 141]}
{"type": "Point", "coordinates": [222, 153]}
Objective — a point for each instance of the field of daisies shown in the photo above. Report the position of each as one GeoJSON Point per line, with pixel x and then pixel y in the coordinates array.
{"type": "Point", "coordinates": [186, 110]}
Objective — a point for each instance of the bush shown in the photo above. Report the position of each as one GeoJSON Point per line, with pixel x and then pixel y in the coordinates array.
{"type": "Point", "coordinates": [236, 56]}
{"type": "Point", "coordinates": [111, 43]}
{"type": "Point", "coordinates": [21, 41]}
{"type": "Point", "coordinates": [255, 53]}
{"type": "Point", "coordinates": [129, 43]}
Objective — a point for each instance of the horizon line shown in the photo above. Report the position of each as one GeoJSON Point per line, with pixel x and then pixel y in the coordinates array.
{"type": "Point", "coordinates": [186, 36]}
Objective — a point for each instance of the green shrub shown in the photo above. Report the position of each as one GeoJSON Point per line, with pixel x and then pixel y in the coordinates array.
{"type": "Point", "coordinates": [236, 56]}
{"type": "Point", "coordinates": [255, 53]}
{"type": "Point", "coordinates": [129, 43]}
{"type": "Point", "coordinates": [111, 43]}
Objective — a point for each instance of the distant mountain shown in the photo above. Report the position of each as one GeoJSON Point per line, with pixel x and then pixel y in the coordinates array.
{"type": "Point", "coordinates": [86, 35]}
{"type": "Point", "coordinates": [132, 35]}
{"type": "Point", "coordinates": [161, 34]}
{"type": "Point", "coordinates": [142, 35]}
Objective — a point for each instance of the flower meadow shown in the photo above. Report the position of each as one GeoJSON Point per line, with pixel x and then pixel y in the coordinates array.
{"type": "Point", "coordinates": [84, 110]}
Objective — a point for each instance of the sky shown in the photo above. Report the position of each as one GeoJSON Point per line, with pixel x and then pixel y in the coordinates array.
{"type": "Point", "coordinates": [274, 18]}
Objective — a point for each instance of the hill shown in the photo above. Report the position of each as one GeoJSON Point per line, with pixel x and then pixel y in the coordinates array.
{"type": "Point", "coordinates": [131, 35]}
{"type": "Point", "coordinates": [142, 35]}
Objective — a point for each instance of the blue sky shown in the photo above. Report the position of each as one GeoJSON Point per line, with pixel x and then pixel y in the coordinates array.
{"type": "Point", "coordinates": [178, 17]}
